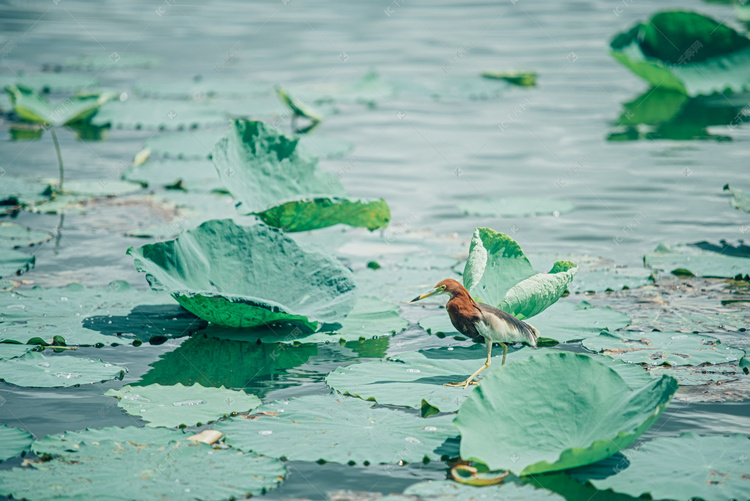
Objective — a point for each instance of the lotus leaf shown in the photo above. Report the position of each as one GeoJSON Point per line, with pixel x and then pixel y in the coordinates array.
{"type": "Point", "coordinates": [297, 107]}
{"type": "Point", "coordinates": [711, 468]}
{"type": "Point", "coordinates": [515, 207]}
{"type": "Point", "coordinates": [239, 276]}
{"type": "Point", "coordinates": [46, 82]}
{"type": "Point", "coordinates": [189, 175]}
{"type": "Point", "coordinates": [174, 470]}
{"type": "Point", "coordinates": [521, 78]}
{"type": "Point", "coordinates": [100, 62]}
{"type": "Point", "coordinates": [685, 52]}
{"type": "Point", "coordinates": [338, 430]}
{"type": "Point", "coordinates": [611, 279]}
{"type": "Point", "coordinates": [400, 283]}
{"type": "Point", "coordinates": [498, 273]}
{"type": "Point", "coordinates": [370, 318]}
{"type": "Point", "coordinates": [179, 405]}
{"type": "Point", "coordinates": [13, 262]}
{"type": "Point", "coordinates": [12, 350]}
{"type": "Point", "coordinates": [159, 114]}
{"type": "Point", "coordinates": [20, 193]}
{"type": "Point", "coordinates": [702, 260]}
{"type": "Point", "coordinates": [13, 235]}
{"type": "Point", "coordinates": [31, 107]}
{"type": "Point", "coordinates": [659, 348]}
{"type": "Point", "coordinates": [70, 444]}
{"type": "Point", "coordinates": [115, 314]}
{"type": "Point", "coordinates": [740, 198]}
{"type": "Point", "coordinates": [700, 376]}
{"type": "Point", "coordinates": [447, 490]}
{"type": "Point", "coordinates": [13, 442]}
{"type": "Point", "coordinates": [304, 215]}
{"type": "Point", "coordinates": [585, 413]}
{"type": "Point", "coordinates": [34, 370]}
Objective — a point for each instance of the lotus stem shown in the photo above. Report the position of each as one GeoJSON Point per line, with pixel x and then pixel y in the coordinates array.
{"type": "Point", "coordinates": [59, 156]}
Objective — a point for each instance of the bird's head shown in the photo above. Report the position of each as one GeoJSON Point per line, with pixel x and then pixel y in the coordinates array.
{"type": "Point", "coordinates": [447, 286]}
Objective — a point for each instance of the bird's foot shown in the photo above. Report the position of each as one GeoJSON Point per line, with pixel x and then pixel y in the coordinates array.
{"type": "Point", "coordinates": [462, 384]}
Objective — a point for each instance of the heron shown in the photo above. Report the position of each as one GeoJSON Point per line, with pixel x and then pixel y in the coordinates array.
{"type": "Point", "coordinates": [481, 322]}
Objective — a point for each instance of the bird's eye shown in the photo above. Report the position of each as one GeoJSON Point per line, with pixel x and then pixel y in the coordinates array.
{"type": "Point", "coordinates": [442, 287]}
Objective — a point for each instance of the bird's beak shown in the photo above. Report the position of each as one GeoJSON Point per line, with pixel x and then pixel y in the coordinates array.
{"type": "Point", "coordinates": [426, 294]}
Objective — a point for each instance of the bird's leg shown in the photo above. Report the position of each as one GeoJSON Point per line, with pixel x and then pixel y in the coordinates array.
{"type": "Point", "coordinates": [470, 379]}
{"type": "Point", "coordinates": [505, 352]}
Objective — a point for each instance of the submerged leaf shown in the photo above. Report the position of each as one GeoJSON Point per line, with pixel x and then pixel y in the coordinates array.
{"type": "Point", "coordinates": [339, 430]}
{"type": "Point", "coordinates": [304, 215]}
{"type": "Point", "coordinates": [34, 370]}
{"type": "Point", "coordinates": [179, 405]}
{"type": "Point", "coordinates": [538, 428]}
{"type": "Point", "coordinates": [13, 262]}
{"type": "Point", "coordinates": [31, 107]}
{"type": "Point", "coordinates": [14, 235]}
{"type": "Point", "coordinates": [241, 276]}
{"type": "Point", "coordinates": [702, 260]}
{"type": "Point", "coordinates": [13, 442]}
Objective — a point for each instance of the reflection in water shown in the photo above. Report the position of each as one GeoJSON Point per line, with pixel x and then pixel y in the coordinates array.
{"type": "Point", "coordinates": [658, 114]}
{"type": "Point", "coordinates": [148, 323]}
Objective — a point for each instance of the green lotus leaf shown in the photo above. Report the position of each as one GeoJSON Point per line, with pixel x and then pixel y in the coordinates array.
{"type": "Point", "coordinates": [108, 469]}
{"type": "Point", "coordinates": [565, 322]}
{"type": "Point", "coordinates": [13, 442]}
{"type": "Point", "coordinates": [161, 114]}
{"type": "Point", "coordinates": [297, 107]}
{"type": "Point", "coordinates": [240, 276]}
{"type": "Point", "coordinates": [711, 468]}
{"type": "Point", "coordinates": [304, 215]}
{"type": "Point", "coordinates": [215, 362]}
{"type": "Point", "coordinates": [535, 294]}
{"type": "Point", "coordinates": [521, 78]}
{"type": "Point", "coordinates": [515, 207]}
{"type": "Point", "coordinates": [585, 413]}
{"type": "Point", "coordinates": [20, 193]}
{"type": "Point", "coordinates": [13, 235]}
{"type": "Point", "coordinates": [659, 348]}
{"type": "Point", "coordinates": [47, 82]}
{"type": "Point", "coordinates": [114, 61]}
{"type": "Point", "coordinates": [71, 444]}
{"type": "Point", "coordinates": [740, 198]}
{"type": "Point", "coordinates": [116, 314]}
{"type": "Point", "coordinates": [702, 260]}
{"type": "Point", "coordinates": [12, 350]}
{"type": "Point", "coordinates": [32, 107]}
{"type": "Point", "coordinates": [34, 370]}
{"type": "Point", "coordinates": [370, 318]}
{"type": "Point", "coordinates": [338, 430]}
{"type": "Point", "coordinates": [188, 175]}
{"type": "Point", "coordinates": [179, 405]}
{"type": "Point", "coordinates": [13, 262]}
{"type": "Point", "coordinates": [685, 52]}
{"type": "Point", "coordinates": [453, 491]}
{"type": "Point", "coordinates": [416, 379]}
{"type": "Point", "coordinates": [400, 283]}
{"type": "Point", "coordinates": [699, 376]}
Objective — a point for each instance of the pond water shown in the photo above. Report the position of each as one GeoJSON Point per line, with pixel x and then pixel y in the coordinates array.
{"type": "Point", "coordinates": [437, 136]}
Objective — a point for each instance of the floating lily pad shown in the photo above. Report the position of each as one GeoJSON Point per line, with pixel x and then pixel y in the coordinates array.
{"type": "Point", "coordinates": [158, 114]}
{"type": "Point", "coordinates": [702, 260]}
{"type": "Point", "coordinates": [13, 262]}
{"type": "Point", "coordinates": [181, 405]}
{"type": "Point", "coordinates": [521, 78]}
{"type": "Point", "coordinates": [31, 107]}
{"type": "Point", "coordinates": [447, 490]}
{"type": "Point", "coordinates": [20, 193]}
{"type": "Point", "coordinates": [34, 370]}
{"type": "Point", "coordinates": [699, 376]}
{"type": "Point", "coordinates": [13, 235]}
{"type": "Point", "coordinates": [740, 198]}
{"type": "Point", "coordinates": [550, 430]}
{"type": "Point", "coordinates": [170, 470]}
{"type": "Point", "coordinates": [115, 60]}
{"type": "Point", "coordinates": [304, 215]}
{"type": "Point", "coordinates": [12, 350]}
{"type": "Point", "coordinates": [498, 273]}
{"type": "Point", "coordinates": [685, 52]}
{"type": "Point", "coordinates": [240, 276]}
{"type": "Point", "coordinates": [215, 362]}
{"type": "Point", "coordinates": [47, 82]}
{"type": "Point", "coordinates": [400, 283]}
{"type": "Point", "coordinates": [13, 442]}
{"type": "Point", "coordinates": [338, 430]}
{"type": "Point", "coordinates": [516, 207]}
{"type": "Point", "coordinates": [116, 314]}
{"type": "Point", "coordinates": [369, 319]}
{"type": "Point", "coordinates": [711, 468]}
{"type": "Point", "coordinates": [70, 443]}
{"type": "Point", "coordinates": [188, 175]}
{"type": "Point", "coordinates": [658, 348]}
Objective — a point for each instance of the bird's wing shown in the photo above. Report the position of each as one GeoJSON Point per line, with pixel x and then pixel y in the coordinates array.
{"type": "Point", "coordinates": [515, 329]}
{"type": "Point", "coordinates": [465, 323]}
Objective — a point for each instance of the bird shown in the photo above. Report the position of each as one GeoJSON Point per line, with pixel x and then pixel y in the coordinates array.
{"type": "Point", "coordinates": [481, 322]}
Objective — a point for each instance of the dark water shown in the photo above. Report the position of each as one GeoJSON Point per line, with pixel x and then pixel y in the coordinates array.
{"type": "Point", "coordinates": [424, 155]}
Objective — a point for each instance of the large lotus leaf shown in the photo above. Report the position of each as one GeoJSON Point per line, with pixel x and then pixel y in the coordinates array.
{"type": "Point", "coordinates": [400, 283]}
{"type": "Point", "coordinates": [120, 470]}
{"type": "Point", "coordinates": [47, 82]}
{"type": "Point", "coordinates": [245, 276]}
{"type": "Point", "coordinates": [416, 379]}
{"type": "Point", "coordinates": [116, 314]}
{"type": "Point", "coordinates": [12, 350]}
{"type": "Point", "coordinates": [178, 405]}
{"type": "Point", "coordinates": [686, 52]}
{"type": "Point", "coordinates": [515, 207]}
{"type": "Point", "coordinates": [711, 468]}
{"type": "Point", "coordinates": [453, 491]}
{"type": "Point", "coordinates": [234, 364]}
{"type": "Point", "coordinates": [370, 318]}
{"type": "Point", "coordinates": [304, 215]}
{"type": "Point", "coordinates": [69, 444]}
{"type": "Point", "coordinates": [535, 294]}
{"type": "Point", "coordinates": [35, 370]}
{"type": "Point", "coordinates": [658, 348]}
{"type": "Point", "coordinates": [702, 260]}
{"type": "Point", "coordinates": [338, 430]}
{"type": "Point", "coordinates": [585, 413]}
{"type": "Point", "coordinates": [159, 114]}
{"type": "Point", "coordinates": [740, 198]}
{"type": "Point", "coordinates": [189, 175]}
{"type": "Point", "coordinates": [13, 262]}
{"type": "Point", "coordinates": [13, 235]}
{"type": "Point", "coordinates": [13, 442]}
{"type": "Point", "coordinates": [32, 107]}
{"type": "Point", "coordinates": [20, 192]}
